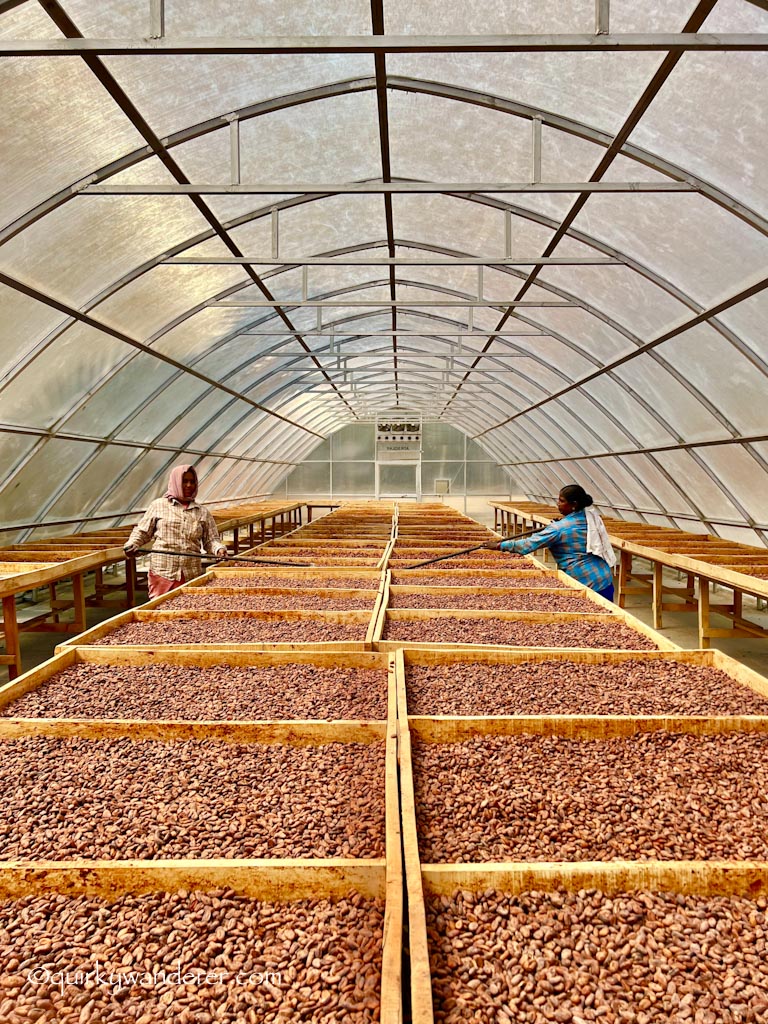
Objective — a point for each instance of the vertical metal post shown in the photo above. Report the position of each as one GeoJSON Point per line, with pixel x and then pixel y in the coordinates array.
{"type": "Point", "coordinates": [508, 233]}
{"type": "Point", "coordinates": [602, 17]}
{"type": "Point", "coordinates": [234, 150]}
{"type": "Point", "coordinates": [275, 234]}
{"type": "Point", "coordinates": [465, 474]}
{"type": "Point", "coordinates": [304, 282]}
{"type": "Point", "coordinates": [480, 283]}
{"type": "Point", "coordinates": [156, 19]}
{"type": "Point", "coordinates": [536, 150]}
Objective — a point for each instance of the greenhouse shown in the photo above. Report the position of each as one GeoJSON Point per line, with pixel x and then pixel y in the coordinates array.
{"type": "Point", "coordinates": [383, 531]}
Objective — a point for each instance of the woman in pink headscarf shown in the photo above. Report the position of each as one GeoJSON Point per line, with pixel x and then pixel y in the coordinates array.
{"type": "Point", "coordinates": [178, 524]}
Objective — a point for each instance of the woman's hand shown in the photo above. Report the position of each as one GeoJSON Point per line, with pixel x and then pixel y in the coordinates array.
{"type": "Point", "coordinates": [493, 545]}
{"type": "Point", "coordinates": [130, 550]}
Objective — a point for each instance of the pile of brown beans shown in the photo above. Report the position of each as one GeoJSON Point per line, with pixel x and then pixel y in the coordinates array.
{"type": "Point", "coordinates": [517, 633]}
{"type": "Point", "coordinates": [119, 799]}
{"type": "Point", "coordinates": [191, 958]}
{"type": "Point", "coordinates": [294, 580]}
{"type": "Point", "coordinates": [520, 601]}
{"type": "Point", "coordinates": [213, 693]}
{"type": "Point", "coordinates": [445, 578]}
{"type": "Point", "coordinates": [578, 957]}
{"type": "Point", "coordinates": [310, 560]}
{"type": "Point", "coordinates": [233, 631]}
{"type": "Point", "coordinates": [651, 796]}
{"type": "Point", "coordinates": [229, 602]}
{"type": "Point", "coordinates": [570, 688]}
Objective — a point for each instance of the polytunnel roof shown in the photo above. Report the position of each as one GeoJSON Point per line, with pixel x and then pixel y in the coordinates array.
{"type": "Point", "coordinates": [228, 230]}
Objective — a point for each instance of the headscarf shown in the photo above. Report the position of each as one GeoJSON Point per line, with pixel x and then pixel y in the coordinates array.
{"type": "Point", "coordinates": [175, 480]}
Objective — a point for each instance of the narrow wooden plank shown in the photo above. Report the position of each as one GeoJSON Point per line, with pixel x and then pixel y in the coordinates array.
{"type": "Point", "coordinates": [391, 968]}
{"type": "Point", "coordinates": [704, 878]}
{"type": "Point", "coordinates": [453, 729]}
{"type": "Point", "coordinates": [293, 732]}
{"type": "Point", "coordinates": [421, 978]}
{"type": "Point", "coordinates": [271, 880]}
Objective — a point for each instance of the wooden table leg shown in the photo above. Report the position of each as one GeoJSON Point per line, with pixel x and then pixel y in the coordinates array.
{"type": "Point", "coordinates": [235, 540]}
{"type": "Point", "coordinates": [11, 629]}
{"type": "Point", "coordinates": [704, 613]}
{"type": "Point", "coordinates": [78, 601]}
{"type": "Point", "coordinates": [625, 571]}
{"type": "Point", "coordinates": [658, 594]}
{"type": "Point", "coordinates": [130, 582]}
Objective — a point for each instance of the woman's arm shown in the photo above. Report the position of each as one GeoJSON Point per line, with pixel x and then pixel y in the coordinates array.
{"type": "Point", "coordinates": [211, 540]}
{"type": "Point", "coordinates": [541, 539]}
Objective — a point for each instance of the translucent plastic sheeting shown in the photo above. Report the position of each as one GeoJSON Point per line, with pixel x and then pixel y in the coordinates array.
{"type": "Point", "coordinates": [65, 115]}
{"type": "Point", "coordinates": [69, 368]}
{"type": "Point", "coordinates": [154, 300]}
{"type": "Point", "coordinates": [741, 474]}
{"type": "Point", "coordinates": [452, 471]}
{"type": "Point", "coordinates": [354, 443]}
{"type": "Point", "coordinates": [88, 244]}
{"type": "Point", "coordinates": [93, 480]}
{"type": "Point", "coordinates": [663, 230]}
{"type": "Point", "coordinates": [703, 491]}
{"type": "Point", "coordinates": [23, 323]}
{"type": "Point", "coordinates": [353, 477]}
{"type": "Point", "coordinates": [723, 142]}
{"type": "Point", "coordinates": [201, 407]}
{"type": "Point", "coordinates": [500, 149]}
{"type": "Point", "coordinates": [320, 225]}
{"type": "Point", "coordinates": [156, 416]}
{"type": "Point", "coordinates": [144, 480]}
{"type": "Point", "coordinates": [296, 144]}
{"type": "Point", "coordinates": [310, 478]}
{"type": "Point", "coordinates": [724, 376]}
{"type": "Point", "coordinates": [120, 396]}
{"type": "Point", "coordinates": [14, 448]}
{"type": "Point", "coordinates": [462, 226]}
{"type": "Point", "coordinates": [596, 88]}
{"type": "Point", "coordinates": [53, 464]}
{"type": "Point", "coordinates": [680, 411]}
{"type": "Point", "coordinates": [639, 421]}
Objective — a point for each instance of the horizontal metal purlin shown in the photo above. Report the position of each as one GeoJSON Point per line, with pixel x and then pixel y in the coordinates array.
{"type": "Point", "coordinates": [682, 446]}
{"type": "Point", "coordinates": [344, 335]}
{"type": "Point", "coordinates": [663, 514]}
{"type": "Point", "coordinates": [53, 435]}
{"type": "Point", "coordinates": [398, 261]}
{"type": "Point", "coordinates": [405, 303]}
{"type": "Point", "coordinates": [379, 187]}
{"type": "Point", "coordinates": [551, 43]}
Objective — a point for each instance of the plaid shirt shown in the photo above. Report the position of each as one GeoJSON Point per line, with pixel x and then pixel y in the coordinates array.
{"type": "Point", "coordinates": [567, 540]}
{"type": "Point", "coordinates": [173, 527]}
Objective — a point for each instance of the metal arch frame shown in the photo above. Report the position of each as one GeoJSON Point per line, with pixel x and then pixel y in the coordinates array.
{"type": "Point", "coordinates": [562, 124]}
{"type": "Point", "coordinates": [575, 416]}
{"type": "Point", "coordinates": [631, 121]}
{"type": "Point", "coordinates": [117, 94]}
{"type": "Point", "coordinates": [233, 288]}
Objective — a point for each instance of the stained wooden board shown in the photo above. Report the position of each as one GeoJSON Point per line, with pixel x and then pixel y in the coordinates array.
{"type": "Point", "coordinates": [272, 880]}
{"type": "Point", "coordinates": [704, 878]}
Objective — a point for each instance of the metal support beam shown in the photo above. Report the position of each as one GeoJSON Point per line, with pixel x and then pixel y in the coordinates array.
{"type": "Point", "coordinates": [602, 17]}
{"type": "Point", "coordinates": [156, 19]}
{"type": "Point", "coordinates": [275, 219]}
{"type": "Point", "coordinates": [434, 332]}
{"type": "Point", "coordinates": [61, 435]}
{"type": "Point", "coordinates": [552, 43]}
{"type": "Point", "coordinates": [270, 188]}
{"type": "Point", "coordinates": [234, 150]}
{"type": "Point", "coordinates": [702, 318]}
{"type": "Point", "coordinates": [403, 261]}
{"type": "Point", "coordinates": [396, 303]}
{"type": "Point", "coordinates": [753, 439]}
{"type": "Point", "coordinates": [97, 325]}
{"type": "Point", "coordinates": [536, 153]}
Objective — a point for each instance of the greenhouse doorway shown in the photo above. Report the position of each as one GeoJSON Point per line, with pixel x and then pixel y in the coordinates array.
{"type": "Point", "coordinates": [398, 480]}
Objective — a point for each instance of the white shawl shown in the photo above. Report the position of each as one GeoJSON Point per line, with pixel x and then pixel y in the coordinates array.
{"type": "Point", "coordinates": [597, 538]}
